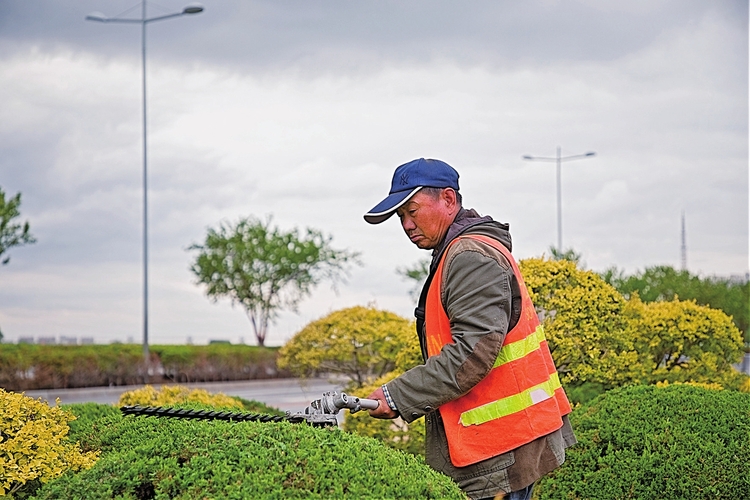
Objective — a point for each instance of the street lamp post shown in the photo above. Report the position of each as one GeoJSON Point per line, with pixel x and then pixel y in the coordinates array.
{"type": "Point", "coordinates": [143, 21]}
{"type": "Point", "coordinates": [559, 159]}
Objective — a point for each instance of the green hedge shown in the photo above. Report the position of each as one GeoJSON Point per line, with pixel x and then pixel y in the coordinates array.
{"type": "Point", "coordinates": [32, 366]}
{"type": "Point", "coordinates": [654, 443]}
{"type": "Point", "coordinates": [150, 458]}
{"type": "Point", "coordinates": [217, 362]}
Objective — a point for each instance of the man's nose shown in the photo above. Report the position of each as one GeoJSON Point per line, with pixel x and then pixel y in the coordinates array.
{"type": "Point", "coordinates": [408, 224]}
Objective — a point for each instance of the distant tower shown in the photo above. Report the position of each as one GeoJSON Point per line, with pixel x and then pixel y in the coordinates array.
{"type": "Point", "coordinates": [683, 248]}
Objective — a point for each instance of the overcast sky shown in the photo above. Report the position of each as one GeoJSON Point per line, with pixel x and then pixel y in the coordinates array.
{"type": "Point", "coordinates": [301, 110]}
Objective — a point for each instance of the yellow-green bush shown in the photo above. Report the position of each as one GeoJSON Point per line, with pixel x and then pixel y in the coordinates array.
{"type": "Point", "coordinates": [584, 322]}
{"type": "Point", "coordinates": [34, 443]}
{"type": "Point", "coordinates": [169, 395]}
{"type": "Point", "coordinates": [370, 347]}
{"type": "Point", "coordinates": [361, 343]}
{"type": "Point", "coordinates": [681, 341]}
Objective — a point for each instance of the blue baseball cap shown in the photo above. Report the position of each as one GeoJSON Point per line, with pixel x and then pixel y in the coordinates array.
{"type": "Point", "coordinates": [407, 180]}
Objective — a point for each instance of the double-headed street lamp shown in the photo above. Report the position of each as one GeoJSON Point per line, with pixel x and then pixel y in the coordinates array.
{"type": "Point", "coordinates": [143, 21]}
{"type": "Point", "coordinates": [559, 159]}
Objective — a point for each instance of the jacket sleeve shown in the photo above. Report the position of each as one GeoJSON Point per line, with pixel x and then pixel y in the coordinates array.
{"type": "Point", "coordinates": [477, 298]}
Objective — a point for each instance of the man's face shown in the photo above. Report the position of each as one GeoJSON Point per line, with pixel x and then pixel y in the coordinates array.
{"type": "Point", "coordinates": [426, 219]}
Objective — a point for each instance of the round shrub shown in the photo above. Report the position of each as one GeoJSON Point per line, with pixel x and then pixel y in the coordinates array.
{"type": "Point", "coordinates": [34, 445]}
{"type": "Point", "coordinates": [170, 395]}
{"type": "Point", "coordinates": [646, 442]}
{"type": "Point", "coordinates": [361, 343]}
{"type": "Point", "coordinates": [160, 458]}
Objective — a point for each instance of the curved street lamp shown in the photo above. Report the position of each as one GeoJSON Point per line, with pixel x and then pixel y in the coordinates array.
{"type": "Point", "coordinates": [559, 159]}
{"type": "Point", "coordinates": [192, 8]}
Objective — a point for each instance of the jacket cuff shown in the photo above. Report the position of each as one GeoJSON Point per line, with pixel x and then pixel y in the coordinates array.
{"type": "Point", "coordinates": [388, 398]}
{"type": "Point", "coordinates": [408, 413]}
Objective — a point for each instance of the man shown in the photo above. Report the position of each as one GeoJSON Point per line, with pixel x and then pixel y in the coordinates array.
{"type": "Point", "coordinates": [495, 413]}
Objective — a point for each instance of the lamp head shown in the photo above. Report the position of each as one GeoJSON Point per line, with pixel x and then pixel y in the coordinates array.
{"type": "Point", "coordinates": [193, 8]}
{"type": "Point", "coordinates": [97, 16]}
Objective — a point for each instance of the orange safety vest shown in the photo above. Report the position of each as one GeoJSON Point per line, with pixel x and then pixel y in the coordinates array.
{"type": "Point", "coordinates": [519, 400]}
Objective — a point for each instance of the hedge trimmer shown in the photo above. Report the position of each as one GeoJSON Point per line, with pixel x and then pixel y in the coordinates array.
{"type": "Point", "coordinates": [321, 412]}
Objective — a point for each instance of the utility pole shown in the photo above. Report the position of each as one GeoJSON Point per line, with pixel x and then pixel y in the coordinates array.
{"type": "Point", "coordinates": [143, 21]}
{"type": "Point", "coordinates": [683, 247]}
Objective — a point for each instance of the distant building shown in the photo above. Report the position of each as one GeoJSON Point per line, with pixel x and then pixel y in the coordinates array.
{"type": "Point", "coordinates": [218, 341]}
{"type": "Point", "coordinates": [26, 340]}
{"type": "Point", "coordinates": [68, 340]}
{"type": "Point", "coordinates": [46, 340]}
{"type": "Point", "coordinates": [87, 340]}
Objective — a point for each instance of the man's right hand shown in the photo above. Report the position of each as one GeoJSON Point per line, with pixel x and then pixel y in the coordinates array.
{"type": "Point", "coordinates": [383, 410]}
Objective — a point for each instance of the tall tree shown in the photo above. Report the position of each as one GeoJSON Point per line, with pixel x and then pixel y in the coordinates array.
{"type": "Point", "coordinates": [12, 234]}
{"type": "Point", "coordinates": [266, 269]}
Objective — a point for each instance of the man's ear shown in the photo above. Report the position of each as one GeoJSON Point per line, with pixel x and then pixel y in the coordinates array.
{"type": "Point", "coordinates": [448, 195]}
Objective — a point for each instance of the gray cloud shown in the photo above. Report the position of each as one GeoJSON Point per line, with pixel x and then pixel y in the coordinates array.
{"type": "Point", "coordinates": [302, 110]}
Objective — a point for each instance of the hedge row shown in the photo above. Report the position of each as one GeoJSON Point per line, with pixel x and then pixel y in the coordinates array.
{"type": "Point", "coordinates": [159, 458]}
{"type": "Point", "coordinates": [649, 442]}
{"type": "Point", "coordinates": [646, 442]}
{"type": "Point", "coordinates": [31, 366]}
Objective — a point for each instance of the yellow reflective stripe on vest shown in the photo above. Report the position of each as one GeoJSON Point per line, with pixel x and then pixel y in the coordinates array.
{"type": "Point", "coordinates": [512, 404]}
{"type": "Point", "coordinates": [520, 348]}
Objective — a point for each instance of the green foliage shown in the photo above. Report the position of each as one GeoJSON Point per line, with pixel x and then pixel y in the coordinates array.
{"type": "Point", "coordinates": [86, 414]}
{"type": "Point", "coordinates": [418, 274]}
{"type": "Point", "coordinates": [664, 283]}
{"type": "Point", "coordinates": [584, 322]}
{"type": "Point", "coordinates": [362, 343]}
{"type": "Point", "coordinates": [217, 362]}
{"type": "Point", "coordinates": [33, 443]}
{"type": "Point", "coordinates": [182, 459]}
{"type": "Point", "coordinates": [32, 366]}
{"type": "Point", "coordinates": [653, 443]}
{"type": "Point", "coordinates": [568, 254]}
{"type": "Point", "coordinates": [265, 269]}
{"type": "Point", "coordinates": [12, 234]}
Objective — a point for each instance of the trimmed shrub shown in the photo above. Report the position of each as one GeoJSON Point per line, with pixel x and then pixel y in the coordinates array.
{"type": "Point", "coordinates": [34, 447]}
{"type": "Point", "coordinates": [361, 343]}
{"type": "Point", "coordinates": [33, 366]}
{"type": "Point", "coordinates": [218, 362]}
{"type": "Point", "coordinates": [170, 395]}
{"type": "Point", "coordinates": [646, 442]}
{"type": "Point", "coordinates": [86, 414]}
{"type": "Point", "coordinates": [146, 457]}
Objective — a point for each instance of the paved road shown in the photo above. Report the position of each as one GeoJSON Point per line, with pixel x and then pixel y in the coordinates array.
{"type": "Point", "coordinates": [284, 394]}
